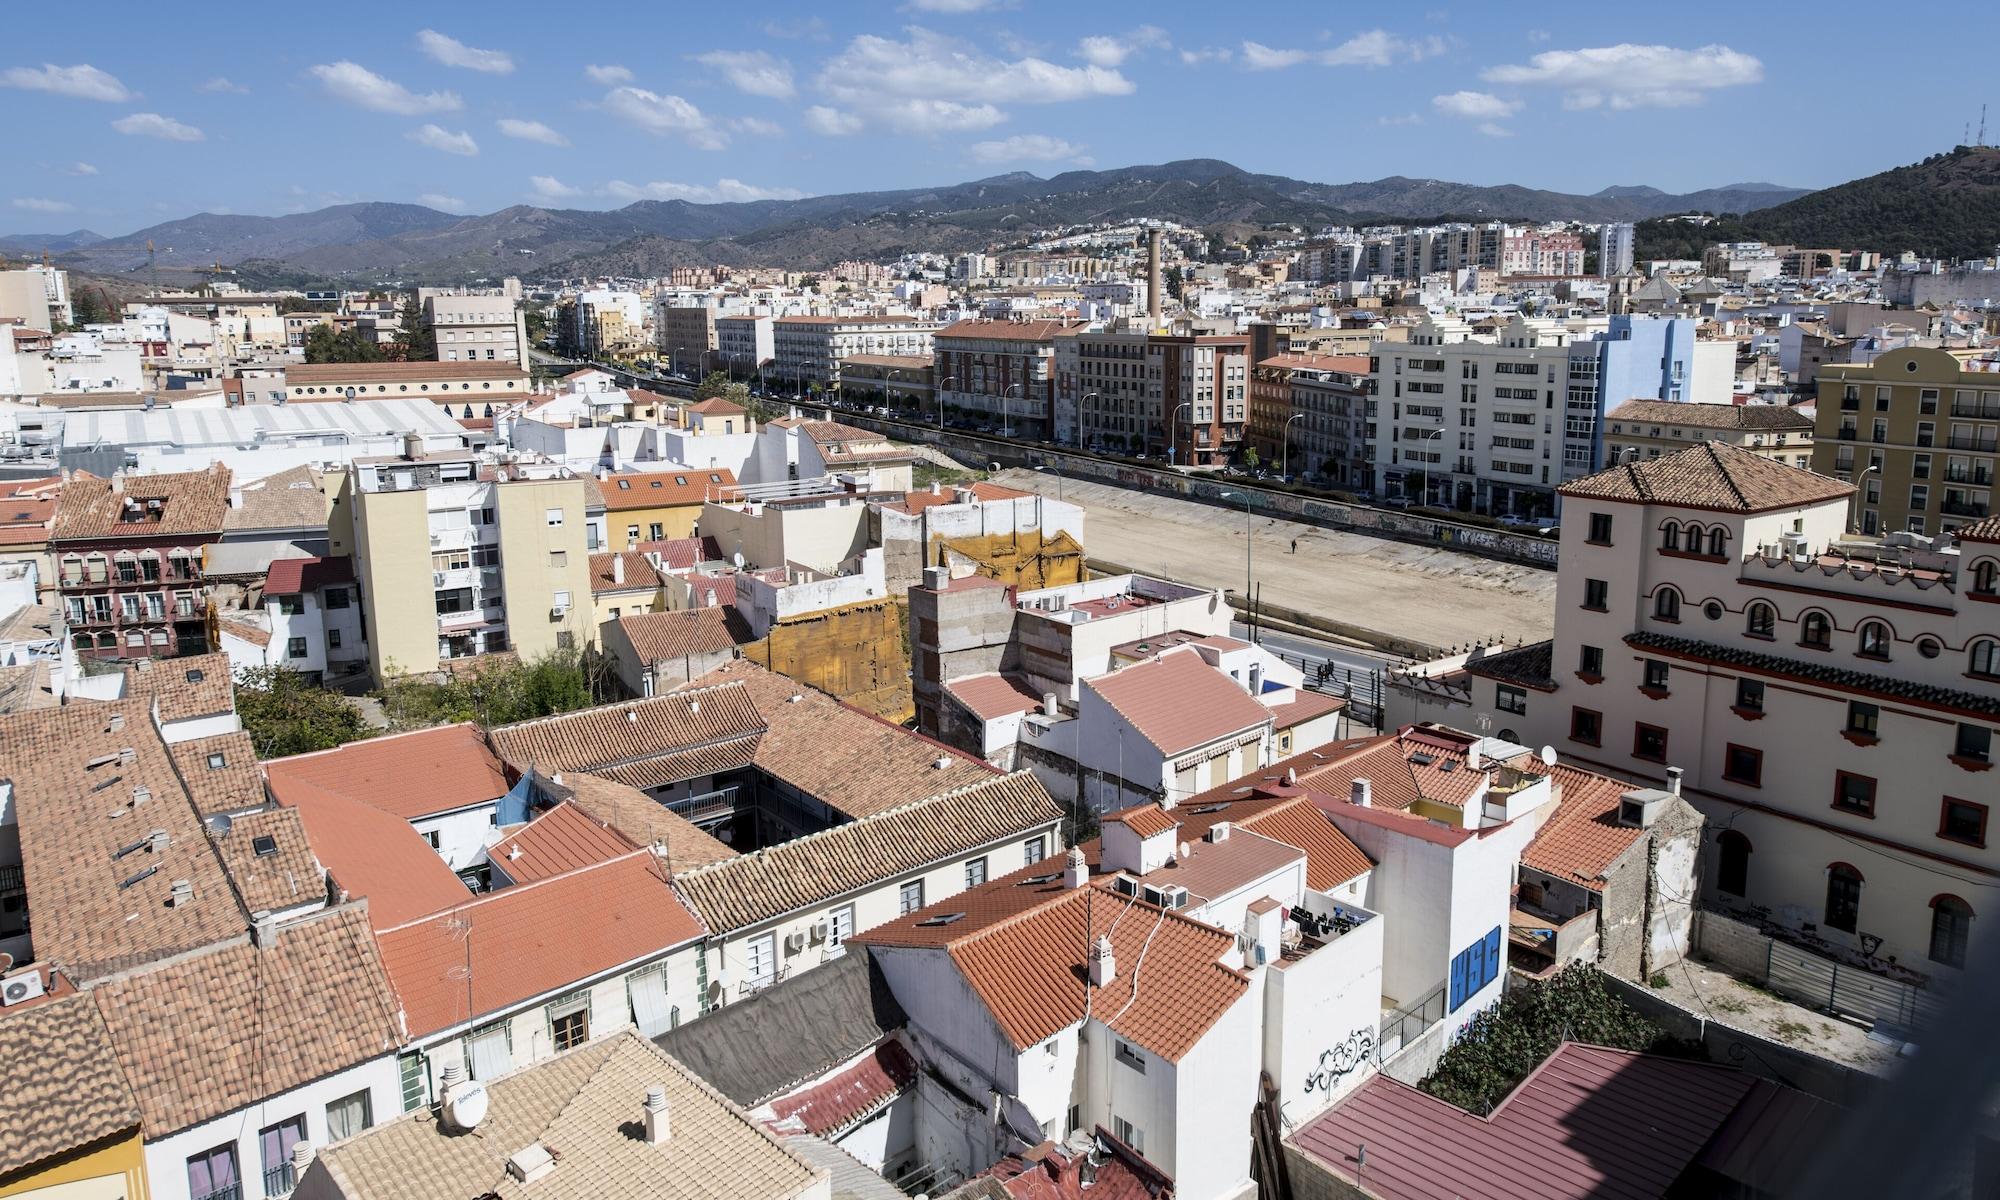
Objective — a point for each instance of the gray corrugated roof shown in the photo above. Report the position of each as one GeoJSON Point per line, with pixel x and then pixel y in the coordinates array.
{"type": "Point", "coordinates": [196, 427]}
{"type": "Point", "coordinates": [851, 1180]}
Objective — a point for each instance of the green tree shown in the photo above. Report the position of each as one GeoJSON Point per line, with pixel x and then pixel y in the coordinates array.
{"type": "Point", "coordinates": [419, 341]}
{"type": "Point", "coordinates": [500, 692]}
{"type": "Point", "coordinates": [90, 307]}
{"type": "Point", "coordinates": [283, 714]}
{"type": "Point", "coordinates": [537, 322]}
{"type": "Point", "coordinates": [715, 383]}
{"type": "Point", "coordinates": [1251, 457]}
{"type": "Point", "coordinates": [323, 345]}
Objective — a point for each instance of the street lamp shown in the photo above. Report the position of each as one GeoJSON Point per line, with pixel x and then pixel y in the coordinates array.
{"type": "Point", "coordinates": [1006, 418]}
{"type": "Point", "coordinates": [1174, 428]}
{"type": "Point", "coordinates": [1438, 432]}
{"type": "Point", "coordinates": [1056, 470]}
{"type": "Point", "coordinates": [940, 398]}
{"type": "Point", "coordinates": [1079, 406]}
{"type": "Point", "coordinates": [1860, 492]}
{"type": "Point", "coordinates": [1285, 446]}
{"type": "Point", "coordinates": [1249, 542]}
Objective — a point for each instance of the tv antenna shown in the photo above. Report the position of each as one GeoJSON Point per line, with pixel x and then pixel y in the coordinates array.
{"type": "Point", "coordinates": [1982, 126]}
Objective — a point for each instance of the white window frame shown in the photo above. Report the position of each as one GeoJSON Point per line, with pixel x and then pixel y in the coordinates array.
{"type": "Point", "coordinates": [760, 960]}
{"type": "Point", "coordinates": [903, 905]}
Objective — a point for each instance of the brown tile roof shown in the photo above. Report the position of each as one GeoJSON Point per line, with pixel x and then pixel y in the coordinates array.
{"type": "Point", "coordinates": [233, 785]}
{"type": "Point", "coordinates": [94, 913]}
{"type": "Point", "coordinates": [618, 741]}
{"type": "Point", "coordinates": [270, 861]}
{"type": "Point", "coordinates": [684, 554]}
{"type": "Point", "coordinates": [189, 502]}
{"type": "Point", "coordinates": [1304, 706]}
{"type": "Point", "coordinates": [1146, 820]}
{"type": "Point", "coordinates": [1303, 361]}
{"type": "Point", "coordinates": [991, 695]}
{"type": "Point", "coordinates": [1713, 476]}
{"type": "Point", "coordinates": [716, 406]}
{"type": "Point", "coordinates": [64, 1089]}
{"type": "Point", "coordinates": [583, 1103]}
{"type": "Point", "coordinates": [819, 867]}
{"type": "Point", "coordinates": [1531, 665]}
{"type": "Point", "coordinates": [27, 506]}
{"type": "Point", "coordinates": [1178, 702]}
{"type": "Point", "coordinates": [1011, 331]}
{"type": "Point", "coordinates": [304, 374]}
{"type": "Point", "coordinates": [26, 687]}
{"type": "Point", "coordinates": [1740, 417]}
{"type": "Point", "coordinates": [532, 938]}
{"type": "Point", "coordinates": [208, 1034]}
{"type": "Point", "coordinates": [294, 576]}
{"type": "Point", "coordinates": [663, 489]}
{"type": "Point", "coordinates": [290, 499]}
{"type": "Point", "coordinates": [834, 431]}
{"type": "Point", "coordinates": [658, 636]}
{"type": "Point", "coordinates": [1582, 839]}
{"type": "Point", "coordinates": [1261, 805]}
{"type": "Point", "coordinates": [644, 821]}
{"type": "Point", "coordinates": [374, 854]}
{"type": "Point", "coordinates": [409, 775]}
{"type": "Point", "coordinates": [639, 572]}
{"type": "Point", "coordinates": [559, 839]}
{"type": "Point", "coordinates": [194, 685]}
{"type": "Point", "coordinates": [1986, 529]}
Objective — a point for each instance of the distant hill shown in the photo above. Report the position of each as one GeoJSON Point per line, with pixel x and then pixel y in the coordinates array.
{"type": "Point", "coordinates": [410, 242]}
{"type": "Point", "coordinates": [1946, 206]}
{"type": "Point", "coordinates": [28, 245]}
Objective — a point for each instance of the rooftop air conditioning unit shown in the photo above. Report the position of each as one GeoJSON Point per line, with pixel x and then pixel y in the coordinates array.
{"type": "Point", "coordinates": [819, 931]}
{"type": "Point", "coordinates": [795, 941]}
{"type": "Point", "coordinates": [18, 988]}
{"type": "Point", "coordinates": [558, 612]}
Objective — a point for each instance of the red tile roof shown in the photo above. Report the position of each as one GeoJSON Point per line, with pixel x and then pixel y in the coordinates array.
{"type": "Point", "coordinates": [187, 502]}
{"type": "Point", "coordinates": [829, 1108]}
{"type": "Point", "coordinates": [684, 554]}
{"type": "Point", "coordinates": [560, 839]}
{"type": "Point", "coordinates": [26, 508]}
{"type": "Point", "coordinates": [292, 576]}
{"type": "Point", "coordinates": [991, 696]}
{"type": "Point", "coordinates": [1271, 810]}
{"type": "Point", "coordinates": [1146, 820]}
{"type": "Point", "coordinates": [657, 636]}
{"type": "Point", "coordinates": [410, 775]}
{"type": "Point", "coordinates": [1712, 476]}
{"type": "Point", "coordinates": [982, 492]}
{"type": "Point", "coordinates": [663, 489]}
{"type": "Point", "coordinates": [1178, 702]}
{"type": "Point", "coordinates": [716, 406]}
{"type": "Point", "coordinates": [530, 939]}
{"type": "Point", "coordinates": [1583, 838]}
{"type": "Point", "coordinates": [639, 572]}
{"type": "Point", "coordinates": [374, 854]}
{"type": "Point", "coordinates": [1304, 705]}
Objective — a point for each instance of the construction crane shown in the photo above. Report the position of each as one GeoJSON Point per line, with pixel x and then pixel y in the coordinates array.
{"type": "Point", "coordinates": [152, 268]}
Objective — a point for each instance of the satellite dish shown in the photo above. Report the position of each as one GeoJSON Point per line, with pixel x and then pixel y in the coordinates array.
{"type": "Point", "coordinates": [465, 1104]}
{"type": "Point", "coordinates": [1548, 756]}
{"type": "Point", "coordinates": [220, 823]}
{"type": "Point", "coordinates": [737, 558]}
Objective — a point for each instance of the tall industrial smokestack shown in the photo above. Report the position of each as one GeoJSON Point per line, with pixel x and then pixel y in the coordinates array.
{"type": "Point", "coordinates": [1153, 278]}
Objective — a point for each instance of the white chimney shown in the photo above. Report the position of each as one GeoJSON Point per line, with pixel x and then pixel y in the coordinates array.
{"type": "Point", "coordinates": [618, 569]}
{"type": "Point", "coordinates": [1076, 872]}
{"type": "Point", "coordinates": [658, 1121]}
{"type": "Point", "coordinates": [1103, 967]}
{"type": "Point", "coordinates": [1361, 793]}
{"type": "Point", "coordinates": [1049, 706]}
{"type": "Point", "coordinates": [1674, 781]}
{"type": "Point", "coordinates": [937, 487]}
{"type": "Point", "coordinates": [1474, 760]}
{"type": "Point", "coordinates": [302, 1157]}
{"type": "Point", "coordinates": [935, 578]}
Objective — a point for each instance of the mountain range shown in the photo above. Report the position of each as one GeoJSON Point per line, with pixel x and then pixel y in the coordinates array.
{"type": "Point", "coordinates": [410, 242]}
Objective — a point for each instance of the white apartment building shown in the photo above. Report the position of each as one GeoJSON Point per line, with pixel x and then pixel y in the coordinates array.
{"type": "Point", "coordinates": [482, 328]}
{"type": "Point", "coordinates": [743, 343]}
{"type": "Point", "coordinates": [809, 350]}
{"type": "Point", "coordinates": [1614, 250]}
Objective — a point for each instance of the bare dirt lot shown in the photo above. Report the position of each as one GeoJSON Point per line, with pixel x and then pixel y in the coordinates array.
{"type": "Point", "coordinates": [1441, 597]}
{"type": "Point", "coordinates": [1706, 990]}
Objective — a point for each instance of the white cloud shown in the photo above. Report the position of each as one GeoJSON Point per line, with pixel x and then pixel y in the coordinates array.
{"type": "Point", "coordinates": [223, 85]}
{"type": "Point", "coordinates": [77, 168]}
{"type": "Point", "coordinates": [1630, 76]}
{"type": "Point", "coordinates": [934, 84]}
{"type": "Point", "coordinates": [731, 191]}
{"type": "Point", "coordinates": [1103, 51]}
{"type": "Point", "coordinates": [40, 205]}
{"type": "Point", "coordinates": [659, 114]}
{"type": "Point", "coordinates": [1029, 147]}
{"type": "Point", "coordinates": [608, 75]}
{"type": "Point", "coordinates": [442, 202]}
{"type": "Point", "coordinates": [1538, 36]}
{"type": "Point", "coordinates": [444, 140]}
{"type": "Point", "coordinates": [1373, 48]}
{"type": "Point", "coordinates": [1475, 106]}
{"type": "Point", "coordinates": [454, 53]}
{"type": "Point", "coordinates": [952, 6]}
{"type": "Point", "coordinates": [1404, 119]}
{"type": "Point", "coordinates": [811, 27]}
{"type": "Point", "coordinates": [752, 71]}
{"type": "Point", "coordinates": [1206, 54]}
{"type": "Point", "coordinates": [530, 131]}
{"type": "Point", "coordinates": [757, 126]}
{"type": "Point", "coordinates": [156, 126]}
{"type": "Point", "coordinates": [1490, 129]}
{"type": "Point", "coordinates": [80, 82]}
{"type": "Point", "coordinates": [548, 187]}
{"type": "Point", "coordinates": [832, 122]}
{"type": "Point", "coordinates": [356, 84]}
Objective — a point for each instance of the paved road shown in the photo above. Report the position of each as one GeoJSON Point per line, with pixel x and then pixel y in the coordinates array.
{"type": "Point", "coordinates": [1356, 672]}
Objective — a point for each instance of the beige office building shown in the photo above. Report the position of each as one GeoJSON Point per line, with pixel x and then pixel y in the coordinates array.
{"type": "Point", "coordinates": [1654, 427]}
{"type": "Point", "coordinates": [477, 328]}
{"type": "Point", "coordinates": [1918, 431]}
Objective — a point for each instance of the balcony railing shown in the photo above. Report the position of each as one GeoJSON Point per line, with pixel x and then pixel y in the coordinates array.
{"type": "Point", "coordinates": [1962, 508]}
{"type": "Point", "coordinates": [1961, 441]}
{"type": "Point", "coordinates": [1977, 412]}
{"type": "Point", "coordinates": [228, 1191]}
{"type": "Point", "coordinates": [1979, 475]}
{"type": "Point", "coordinates": [1846, 435]}
{"type": "Point", "coordinates": [280, 1180]}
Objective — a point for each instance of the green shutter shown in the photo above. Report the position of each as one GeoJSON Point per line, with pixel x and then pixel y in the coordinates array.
{"type": "Point", "coordinates": [415, 1067]}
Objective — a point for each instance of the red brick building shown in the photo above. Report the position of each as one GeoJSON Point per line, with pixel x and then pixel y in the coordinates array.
{"type": "Point", "coordinates": [129, 554]}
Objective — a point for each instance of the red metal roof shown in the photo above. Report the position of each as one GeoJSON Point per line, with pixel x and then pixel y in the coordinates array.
{"type": "Point", "coordinates": [292, 576]}
{"type": "Point", "coordinates": [829, 1107]}
{"type": "Point", "coordinates": [561, 839]}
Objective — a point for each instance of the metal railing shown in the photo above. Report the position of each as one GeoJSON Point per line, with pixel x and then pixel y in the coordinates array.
{"type": "Point", "coordinates": [1406, 1025]}
{"type": "Point", "coordinates": [280, 1180]}
{"type": "Point", "coordinates": [228, 1191]}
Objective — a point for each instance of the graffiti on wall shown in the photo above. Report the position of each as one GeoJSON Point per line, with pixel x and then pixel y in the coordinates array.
{"type": "Point", "coordinates": [1342, 1060]}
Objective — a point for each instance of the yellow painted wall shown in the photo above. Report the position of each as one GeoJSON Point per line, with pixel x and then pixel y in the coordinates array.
{"type": "Point", "coordinates": [113, 1171]}
{"type": "Point", "coordinates": [858, 652]}
{"type": "Point", "coordinates": [392, 552]}
{"type": "Point", "coordinates": [530, 573]}
{"type": "Point", "coordinates": [675, 521]}
{"type": "Point", "coordinates": [1021, 559]}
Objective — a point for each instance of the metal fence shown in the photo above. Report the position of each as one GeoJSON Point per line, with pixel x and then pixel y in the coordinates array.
{"type": "Point", "coordinates": [1783, 960]}
{"type": "Point", "coordinates": [1406, 1025]}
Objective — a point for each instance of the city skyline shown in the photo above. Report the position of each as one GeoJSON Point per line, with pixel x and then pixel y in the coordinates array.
{"type": "Point", "coordinates": [468, 111]}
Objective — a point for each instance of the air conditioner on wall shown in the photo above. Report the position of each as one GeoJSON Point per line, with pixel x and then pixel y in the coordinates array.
{"type": "Point", "coordinates": [18, 988]}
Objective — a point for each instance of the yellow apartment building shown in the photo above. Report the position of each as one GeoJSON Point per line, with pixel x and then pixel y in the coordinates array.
{"type": "Point", "coordinates": [1918, 431]}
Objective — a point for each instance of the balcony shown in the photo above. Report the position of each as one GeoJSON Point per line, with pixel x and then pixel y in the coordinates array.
{"type": "Point", "coordinates": [1976, 412]}
{"type": "Point", "coordinates": [451, 539]}
{"type": "Point", "coordinates": [1963, 508]}
{"type": "Point", "coordinates": [1986, 442]}
{"type": "Point", "coordinates": [456, 577]}
{"type": "Point", "coordinates": [1846, 435]}
{"type": "Point", "coordinates": [280, 1180]}
{"type": "Point", "coordinates": [1980, 476]}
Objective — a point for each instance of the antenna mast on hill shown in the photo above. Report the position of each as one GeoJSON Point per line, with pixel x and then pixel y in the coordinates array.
{"type": "Point", "coordinates": [1982, 126]}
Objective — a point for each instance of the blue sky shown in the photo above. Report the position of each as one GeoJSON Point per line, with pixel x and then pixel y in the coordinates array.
{"type": "Point", "coordinates": [120, 123]}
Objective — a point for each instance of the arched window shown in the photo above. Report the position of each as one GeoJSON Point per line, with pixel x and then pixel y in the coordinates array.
{"type": "Point", "coordinates": [1667, 604]}
{"type": "Point", "coordinates": [1815, 631]}
{"type": "Point", "coordinates": [1670, 536]}
{"type": "Point", "coordinates": [1874, 640]}
{"type": "Point", "coordinates": [1760, 620]}
{"type": "Point", "coordinates": [1951, 929]}
{"type": "Point", "coordinates": [159, 639]}
{"type": "Point", "coordinates": [1732, 866]}
{"type": "Point", "coordinates": [1985, 658]}
{"type": "Point", "coordinates": [1986, 577]}
{"type": "Point", "coordinates": [81, 641]}
{"type": "Point", "coordinates": [1718, 542]}
{"type": "Point", "coordinates": [1843, 897]}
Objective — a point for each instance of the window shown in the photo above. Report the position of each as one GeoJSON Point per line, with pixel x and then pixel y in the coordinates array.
{"type": "Point", "coordinates": [1843, 897]}
{"type": "Point", "coordinates": [839, 927]}
{"type": "Point", "coordinates": [1974, 742]}
{"type": "Point", "coordinates": [1474, 967]}
{"type": "Point", "coordinates": [1125, 1131]}
{"type": "Point", "coordinates": [1649, 742]}
{"type": "Point", "coordinates": [553, 516]}
{"type": "Point", "coordinates": [1667, 604]}
{"type": "Point", "coordinates": [212, 1174]}
{"type": "Point", "coordinates": [1590, 661]}
{"type": "Point", "coordinates": [1741, 764]}
{"type": "Point", "coordinates": [646, 990]}
{"type": "Point", "coordinates": [1986, 577]}
{"type": "Point", "coordinates": [1129, 1055]}
{"type": "Point", "coordinates": [1600, 528]}
{"type": "Point", "coordinates": [631, 534]}
{"type": "Point", "coordinates": [1962, 821]}
{"type": "Point", "coordinates": [1863, 718]}
{"type": "Point", "coordinates": [1656, 675]}
{"type": "Point", "coordinates": [1586, 726]}
{"type": "Point", "coordinates": [333, 639]}
{"type": "Point", "coordinates": [348, 1116]}
{"type": "Point", "coordinates": [656, 530]}
{"type": "Point", "coordinates": [292, 606]}
{"type": "Point", "coordinates": [1760, 620]}
{"type": "Point", "coordinates": [1854, 793]}
{"type": "Point", "coordinates": [1510, 699]}
{"type": "Point", "coordinates": [565, 640]}
{"type": "Point", "coordinates": [1732, 866]}
{"type": "Point", "coordinates": [295, 647]}
{"type": "Point", "coordinates": [1815, 631]}
{"type": "Point", "coordinates": [1596, 594]}
{"type": "Point", "coordinates": [761, 960]}
{"type": "Point", "coordinates": [1750, 695]}
{"type": "Point", "coordinates": [558, 559]}
{"type": "Point", "coordinates": [1718, 542]}
{"type": "Point", "coordinates": [569, 1021]}
{"type": "Point", "coordinates": [1034, 850]}
{"type": "Point", "coordinates": [975, 871]}
{"type": "Point", "coordinates": [1874, 640]}
{"type": "Point", "coordinates": [1670, 536]}
{"type": "Point", "coordinates": [1951, 929]}
{"type": "Point", "coordinates": [911, 897]}
{"type": "Point", "coordinates": [275, 1144]}
{"type": "Point", "coordinates": [414, 1069]}
{"type": "Point", "coordinates": [490, 1050]}
{"type": "Point", "coordinates": [1985, 659]}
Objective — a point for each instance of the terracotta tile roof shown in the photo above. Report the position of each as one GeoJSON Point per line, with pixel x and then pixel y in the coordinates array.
{"type": "Point", "coordinates": [1263, 806]}
{"type": "Point", "coordinates": [684, 554]}
{"type": "Point", "coordinates": [1294, 360]}
{"type": "Point", "coordinates": [1986, 529]}
{"type": "Point", "coordinates": [1740, 417]}
{"type": "Point", "coordinates": [271, 862]}
{"type": "Point", "coordinates": [1210, 870]}
{"type": "Point", "coordinates": [707, 591]}
{"type": "Point", "coordinates": [229, 785]}
{"type": "Point", "coordinates": [1146, 820]}
{"type": "Point", "coordinates": [375, 855]}
{"type": "Point", "coordinates": [675, 488]}
{"type": "Point", "coordinates": [833, 1106]}
{"type": "Point", "coordinates": [1049, 1173]}
{"type": "Point", "coordinates": [194, 685]}
{"type": "Point", "coordinates": [716, 406]}
{"type": "Point", "coordinates": [619, 741]}
{"type": "Point", "coordinates": [26, 687]}
{"type": "Point", "coordinates": [530, 939]}
{"type": "Point", "coordinates": [206, 1035]}
{"type": "Point", "coordinates": [1304, 706]}
{"type": "Point", "coordinates": [409, 775]}
{"type": "Point", "coordinates": [1580, 841]}
{"type": "Point", "coordinates": [295, 576]}
{"type": "Point", "coordinates": [1565, 1131]}
{"type": "Point", "coordinates": [559, 839]}
{"type": "Point", "coordinates": [1867, 683]}
{"type": "Point", "coordinates": [644, 821]}
{"type": "Point", "coordinates": [639, 573]}
{"type": "Point", "coordinates": [64, 1089]}
{"type": "Point", "coordinates": [834, 431]}
{"type": "Point", "coordinates": [302, 374]}
{"type": "Point", "coordinates": [27, 506]}
{"type": "Point", "coordinates": [819, 867]}
{"type": "Point", "coordinates": [1178, 702]}
{"type": "Point", "coordinates": [1532, 665]}
{"type": "Point", "coordinates": [583, 1103]}
{"type": "Point", "coordinates": [290, 499]}
{"type": "Point", "coordinates": [243, 628]}
{"type": "Point", "coordinates": [1713, 476]}
{"type": "Point", "coordinates": [189, 502]}
{"type": "Point", "coordinates": [94, 913]}
{"type": "Point", "coordinates": [689, 632]}
{"type": "Point", "coordinates": [990, 696]}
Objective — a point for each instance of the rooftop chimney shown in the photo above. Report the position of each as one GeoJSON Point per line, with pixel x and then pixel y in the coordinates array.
{"type": "Point", "coordinates": [1361, 793]}
{"type": "Point", "coordinates": [1050, 706]}
{"type": "Point", "coordinates": [1152, 279]}
{"type": "Point", "coordinates": [1474, 760]}
{"type": "Point", "coordinates": [1103, 968]}
{"type": "Point", "coordinates": [658, 1123]}
{"type": "Point", "coordinates": [413, 445]}
{"type": "Point", "coordinates": [1076, 872]}
{"type": "Point", "coordinates": [1674, 780]}
{"type": "Point", "coordinates": [618, 569]}
{"type": "Point", "coordinates": [302, 1157]}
